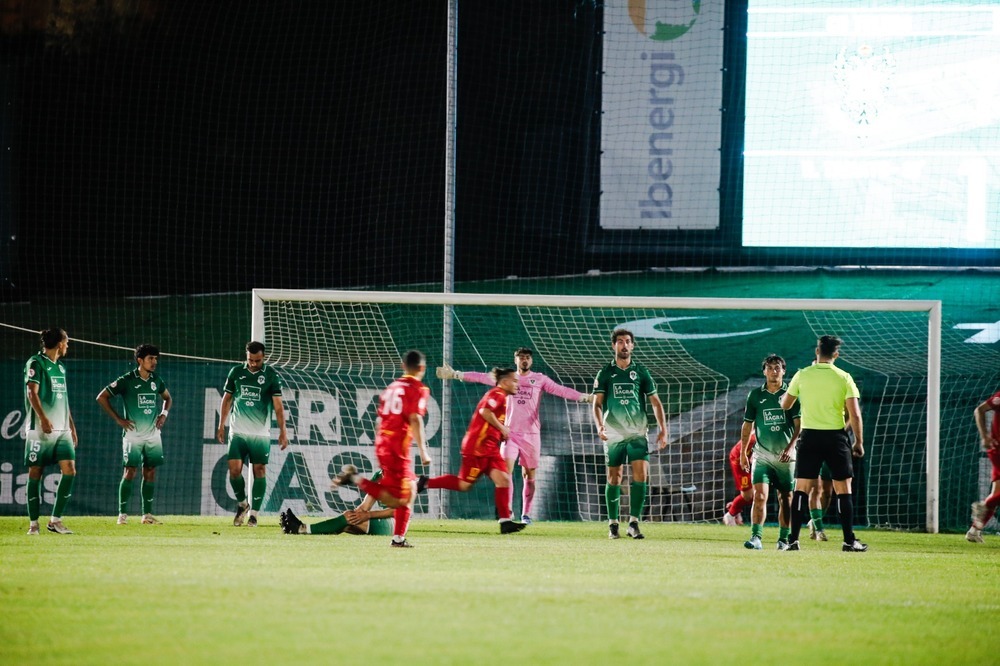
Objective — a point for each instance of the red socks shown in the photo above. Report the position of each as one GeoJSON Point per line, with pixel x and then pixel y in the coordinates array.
{"type": "Point", "coordinates": [448, 482]}
{"type": "Point", "coordinates": [502, 498]}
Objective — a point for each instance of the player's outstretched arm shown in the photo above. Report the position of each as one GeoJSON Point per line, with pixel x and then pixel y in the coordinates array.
{"type": "Point", "coordinates": [446, 372]}
{"type": "Point", "coordinates": [552, 387]}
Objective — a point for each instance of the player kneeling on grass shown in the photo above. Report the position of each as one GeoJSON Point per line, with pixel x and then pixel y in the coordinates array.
{"type": "Point", "coordinates": [481, 450]}
{"type": "Point", "coordinates": [401, 409]}
{"type": "Point", "coordinates": [362, 520]}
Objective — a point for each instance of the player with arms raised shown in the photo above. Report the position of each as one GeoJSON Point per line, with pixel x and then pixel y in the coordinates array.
{"type": "Point", "coordinates": [401, 409]}
{"type": "Point", "coordinates": [620, 393]}
{"type": "Point", "coordinates": [481, 450]}
{"type": "Point", "coordinates": [523, 418]}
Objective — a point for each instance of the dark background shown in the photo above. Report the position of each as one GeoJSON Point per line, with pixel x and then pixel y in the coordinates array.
{"type": "Point", "coordinates": [155, 147]}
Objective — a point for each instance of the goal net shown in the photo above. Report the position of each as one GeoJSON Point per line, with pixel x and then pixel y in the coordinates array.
{"type": "Point", "coordinates": [337, 350]}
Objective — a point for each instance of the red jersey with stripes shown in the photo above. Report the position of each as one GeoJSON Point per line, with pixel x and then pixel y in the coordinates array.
{"type": "Point", "coordinates": [482, 439]}
{"type": "Point", "coordinates": [400, 400]}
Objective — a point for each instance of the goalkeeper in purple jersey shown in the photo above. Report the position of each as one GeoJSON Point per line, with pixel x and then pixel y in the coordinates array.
{"type": "Point", "coordinates": [522, 418]}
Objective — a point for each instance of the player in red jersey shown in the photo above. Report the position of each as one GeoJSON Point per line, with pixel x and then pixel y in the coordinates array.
{"type": "Point", "coordinates": [401, 409]}
{"type": "Point", "coordinates": [481, 449]}
{"type": "Point", "coordinates": [983, 510]}
{"type": "Point", "coordinates": [733, 514]}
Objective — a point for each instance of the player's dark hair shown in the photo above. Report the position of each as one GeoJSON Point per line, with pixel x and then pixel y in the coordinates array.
{"type": "Point", "coordinates": [523, 351]}
{"type": "Point", "coordinates": [51, 337]}
{"type": "Point", "coordinates": [499, 373]}
{"type": "Point", "coordinates": [772, 358]}
{"type": "Point", "coordinates": [619, 332]}
{"type": "Point", "coordinates": [413, 359]}
{"type": "Point", "coordinates": [828, 345]}
{"type": "Point", "coordinates": [144, 350]}
{"type": "Point", "coordinates": [254, 347]}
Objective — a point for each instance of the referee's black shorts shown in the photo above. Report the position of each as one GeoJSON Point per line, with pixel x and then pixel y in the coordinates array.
{"type": "Point", "coordinates": [823, 446]}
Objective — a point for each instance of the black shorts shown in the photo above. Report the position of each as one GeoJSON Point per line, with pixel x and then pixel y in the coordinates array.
{"type": "Point", "coordinates": [823, 446]}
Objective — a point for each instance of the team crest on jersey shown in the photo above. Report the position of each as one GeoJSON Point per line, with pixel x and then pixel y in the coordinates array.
{"type": "Point", "coordinates": [152, 386]}
{"type": "Point", "coordinates": [260, 380]}
{"type": "Point", "coordinates": [31, 372]}
{"type": "Point", "coordinates": [632, 375]}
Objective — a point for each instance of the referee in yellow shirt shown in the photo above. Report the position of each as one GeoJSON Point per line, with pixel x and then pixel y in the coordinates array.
{"type": "Point", "coordinates": [824, 391]}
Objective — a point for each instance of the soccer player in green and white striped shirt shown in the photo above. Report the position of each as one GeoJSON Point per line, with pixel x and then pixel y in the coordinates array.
{"type": "Point", "coordinates": [50, 433]}
{"type": "Point", "coordinates": [620, 393]}
{"type": "Point", "coordinates": [141, 425]}
{"type": "Point", "coordinates": [252, 390]}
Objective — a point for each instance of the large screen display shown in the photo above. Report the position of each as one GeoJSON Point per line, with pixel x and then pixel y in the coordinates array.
{"type": "Point", "coordinates": [872, 124]}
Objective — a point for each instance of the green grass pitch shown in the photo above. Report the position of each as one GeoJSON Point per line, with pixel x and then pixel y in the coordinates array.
{"type": "Point", "coordinates": [197, 590]}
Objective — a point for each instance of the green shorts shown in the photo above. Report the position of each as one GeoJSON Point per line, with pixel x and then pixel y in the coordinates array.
{"type": "Point", "coordinates": [255, 447]}
{"type": "Point", "coordinates": [824, 473]}
{"type": "Point", "coordinates": [147, 453]}
{"type": "Point", "coordinates": [41, 449]}
{"type": "Point", "coordinates": [627, 450]}
{"type": "Point", "coordinates": [380, 527]}
{"type": "Point", "coordinates": [778, 475]}
{"type": "Point", "coordinates": [376, 527]}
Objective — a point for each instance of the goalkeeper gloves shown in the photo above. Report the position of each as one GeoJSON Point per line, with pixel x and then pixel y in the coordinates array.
{"type": "Point", "coordinates": [447, 372]}
{"type": "Point", "coordinates": [587, 397]}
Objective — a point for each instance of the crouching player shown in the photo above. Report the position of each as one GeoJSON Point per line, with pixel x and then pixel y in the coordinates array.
{"type": "Point", "coordinates": [401, 409]}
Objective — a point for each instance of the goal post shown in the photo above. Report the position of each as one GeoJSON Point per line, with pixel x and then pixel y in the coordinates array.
{"type": "Point", "coordinates": [347, 345]}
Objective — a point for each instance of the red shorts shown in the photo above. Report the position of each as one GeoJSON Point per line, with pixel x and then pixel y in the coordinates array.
{"type": "Point", "coordinates": [397, 476]}
{"type": "Point", "coordinates": [741, 478]}
{"type": "Point", "coordinates": [475, 466]}
{"type": "Point", "coordinates": [994, 456]}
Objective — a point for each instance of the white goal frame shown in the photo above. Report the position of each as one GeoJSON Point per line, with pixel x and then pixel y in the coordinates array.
{"type": "Point", "coordinates": [447, 300]}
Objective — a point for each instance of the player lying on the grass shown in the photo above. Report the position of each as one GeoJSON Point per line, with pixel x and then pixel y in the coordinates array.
{"type": "Point", "coordinates": [481, 450]}
{"type": "Point", "coordinates": [401, 409]}
{"type": "Point", "coordinates": [733, 513]}
{"type": "Point", "coordinates": [523, 418]}
{"type": "Point", "coordinates": [776, 432]}
{"type": "Point", "coordinates": [362, 520]}
{"type": "Point", "coordinates": [983, 510]}
{"type": "Point", "coordinates": [141, 425]}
